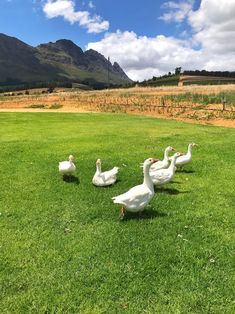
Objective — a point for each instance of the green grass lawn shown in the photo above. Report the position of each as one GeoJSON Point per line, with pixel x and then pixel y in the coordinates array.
{"type": "Point", "coordinates": [63, 248]}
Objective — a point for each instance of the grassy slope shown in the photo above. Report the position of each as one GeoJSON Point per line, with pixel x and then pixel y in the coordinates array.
{"type": "Point", "coordinates": [21, 73]}
{"type": "Point", "coordinates": [228, 96]}
{"type": "Point", "coordinates": [164, 81]}
{"type": "Point", "coordinates": [72, 72]}
{"type": "Point", "coordinates": [102, 265]}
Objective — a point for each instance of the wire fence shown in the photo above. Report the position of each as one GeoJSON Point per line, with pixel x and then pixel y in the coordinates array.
{"type": "Point", "coordinates": [149, 104]}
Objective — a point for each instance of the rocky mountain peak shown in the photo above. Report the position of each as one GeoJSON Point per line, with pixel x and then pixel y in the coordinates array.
{"type": "Point", "coordinates": [60, 61]}
{"type": "Point", "coordinates": [69, 46]}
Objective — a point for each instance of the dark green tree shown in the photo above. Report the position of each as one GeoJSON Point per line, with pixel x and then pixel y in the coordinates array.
{"type": "Point", "coordinates": [177, 71]}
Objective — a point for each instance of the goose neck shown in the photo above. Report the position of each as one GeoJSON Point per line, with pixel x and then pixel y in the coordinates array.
{"type": "Point", "coordinates": [166, 154]}
{"type": "Point", "coordinates": [98, 168]}
{"type": "Point", "coordinates": [190, 148]}
{"type": "Point", "coordinates": [70, 160]}
{"type": "Point", "coordinates": [173, 162]}
{"type": "Point", "coordinates": [147, 179]}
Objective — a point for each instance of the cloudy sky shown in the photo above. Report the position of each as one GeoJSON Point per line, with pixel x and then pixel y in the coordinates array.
{"type": "Point", "coordinates": [147, 38]}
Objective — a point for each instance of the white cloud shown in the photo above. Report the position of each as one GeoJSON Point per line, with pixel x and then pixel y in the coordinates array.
{"type": "Point", "coordinates": [142, 57]}
{"type": "Point", "coordinates": [214, 26]}
{"type": "Point", "coordinates": [211, 47]}
{"type": "Point", "coordinates": [66, 9]}
{"type": "Point", "coordinates": [178, 11]}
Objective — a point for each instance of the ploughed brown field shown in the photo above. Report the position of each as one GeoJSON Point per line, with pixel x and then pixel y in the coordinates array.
{"type": "Point", "coordinates": [137, 100]}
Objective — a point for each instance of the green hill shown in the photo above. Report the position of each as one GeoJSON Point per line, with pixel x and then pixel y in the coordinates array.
{"type": "Point", "coordinates": [62, 61]}
{"type": "Point", "coordinates": [165, 80]}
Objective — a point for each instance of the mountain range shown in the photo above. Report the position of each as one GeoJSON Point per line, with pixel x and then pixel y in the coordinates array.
{"type": "Point", "coordinates": [61, 61]}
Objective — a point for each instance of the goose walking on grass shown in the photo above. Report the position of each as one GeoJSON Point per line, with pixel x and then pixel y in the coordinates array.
{"type": "Point", "coordinates": [163, 164]}
{"type": "Point", "coordinates": [163, 176]}
{"type": "Point", "coordinates": [185, 158]}
{"type": "Point", "coordinates": [67, 168]}
{"type": "Point", "coordinates": [139, 196]}
{"type": "Point", "coordinates": [104, 178]}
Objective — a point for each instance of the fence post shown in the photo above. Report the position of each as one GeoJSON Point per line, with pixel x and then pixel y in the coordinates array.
{"type": "Point", "coordinates": [223, 101]}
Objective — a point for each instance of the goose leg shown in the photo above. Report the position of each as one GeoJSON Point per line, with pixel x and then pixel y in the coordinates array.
{"type": "Point", "coordinates": [122, 213]}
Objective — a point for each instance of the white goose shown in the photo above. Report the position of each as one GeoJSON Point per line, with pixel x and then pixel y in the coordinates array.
{"type": "Point", "coordinates": [67, 167]}
{"type": "Point", "coordinates": [104, 178]}
{"type": "Point", "coordinates": [163, 176]}
{"type": "Point", "coordinates": [139, 196]}
{"type": "Point", "coordinates": [163, 164]}
{"type": "Point", "coordinates": [185, 158]}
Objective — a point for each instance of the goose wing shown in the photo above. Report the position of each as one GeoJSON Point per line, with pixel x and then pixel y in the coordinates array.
{"type": "Point", "coordinates": [160, 175]}
{"type": "Point", "coordinates": [182, 159]}
{"type": "Point", "coordinates": [157, 165]}
{"type": "Point", "coordinates": [135, 194]}
{"type": "Point", "coordinates": [111, 174]}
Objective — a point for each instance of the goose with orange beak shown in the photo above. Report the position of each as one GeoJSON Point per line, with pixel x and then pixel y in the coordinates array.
{"type": "Point", "coordinates": [105, 178]}
{"type": "Point", "coordinates": [67, 167]}
{"type": "Point", "coordinates": [185, 158]}
{"type": "Point", "coordinates": [163, 176]}
{"type": "Point", "coordinates": [136, 199]}
{"type": "Point", "coordinates": [163, 164]}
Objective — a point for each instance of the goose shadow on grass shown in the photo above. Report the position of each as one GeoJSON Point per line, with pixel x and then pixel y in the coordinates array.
{"type": "Point", "coordinates": [71, 179]}
{"type": "Point", "coordinates": [170, 191]}
{"type": "Point", "coordinates": [174, 181]}
{"type": "Point", "coordinates": [185, 171]}
{"type": "Point", "coordinates": [148, 213]}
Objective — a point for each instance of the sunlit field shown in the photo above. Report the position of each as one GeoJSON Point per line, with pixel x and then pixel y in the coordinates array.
{"type": "Point", "coordinates": [63, 246]}
{"type": "Point", "coordinates": [192, 103]}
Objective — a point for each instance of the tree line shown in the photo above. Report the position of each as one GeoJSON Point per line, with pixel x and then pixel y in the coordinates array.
{"type": "Point", "coordinates": [210, 73]}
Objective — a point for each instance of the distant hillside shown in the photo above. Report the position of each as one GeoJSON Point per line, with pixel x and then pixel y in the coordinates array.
{"type": "Point", "coordinates": [62, 61]}
{"type": "Point", "coordinates": [225, 74]}
{"type": "Point", "coordinates": [165, 80]}
{"type": "Point", "coordinates": [191, 77]}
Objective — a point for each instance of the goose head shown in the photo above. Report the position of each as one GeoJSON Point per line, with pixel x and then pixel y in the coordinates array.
{"type": "Point", "coordinates": [98, 162]}
{"type": "Point", "coordinates": [169, 149]}
{"type": "Point", "coordinates": [191, 145]}
{"type": "Point", "coordinates": [71, 158]}
{"type": "Point", "coordinates": [98, 165]}
{"type": "Point", "coordinates": [148, 162]}
{"type": "Point", "coordinates": [176, 155]}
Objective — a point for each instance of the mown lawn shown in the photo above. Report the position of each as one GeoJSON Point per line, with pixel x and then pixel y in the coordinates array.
{"type": "Point", "coordinates": [63, 248]}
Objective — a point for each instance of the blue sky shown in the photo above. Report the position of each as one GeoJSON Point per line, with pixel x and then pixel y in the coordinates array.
{"type": "Point", "coordinates": [147, 38]}
{"type": "Point", "coordinates": [25, 19]}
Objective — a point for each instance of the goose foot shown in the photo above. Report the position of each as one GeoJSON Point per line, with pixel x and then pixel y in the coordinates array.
{"type": "Point", "coordinates": [122, 213]}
